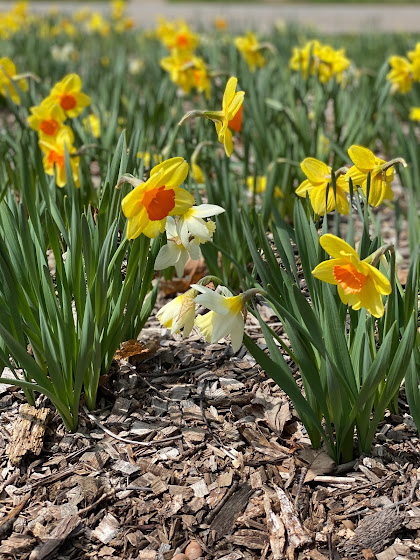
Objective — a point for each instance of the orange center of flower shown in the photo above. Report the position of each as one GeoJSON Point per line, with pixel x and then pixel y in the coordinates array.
{"type": "Point", "coordinates": [159, 202]}
{"type": "Point", "coordinates": [197, 77]}
{"type": "Point", "coordinates": [49, 127]}
{"type": "Point", "coordinates": [68, 101]}
{"type": "Point", "coordinates": [236, 123]}
{"type": "Point", "coordinates": [350, 280]}
{"type": "Point", "coordinates": [55, 157]}
{"type": "Point", "coordinates": [182, 40]}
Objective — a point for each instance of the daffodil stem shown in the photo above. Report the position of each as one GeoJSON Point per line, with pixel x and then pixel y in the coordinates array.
{"type": "Point", "coordinates": [253, 292]}
{"type": "Point", "coordinates": [211, 115]}
{"type": "Point", "coordinates": [375, 257]}
{"type": "Point", "coordinates": [389, 164]}
{"type": "Point", "coordinates": [207, 279]}
{"type": "Point", "coordinates": [198, 149]}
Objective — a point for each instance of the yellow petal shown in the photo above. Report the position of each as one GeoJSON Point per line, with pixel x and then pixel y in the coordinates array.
{"type": "Point", "coordinates": [381, 282]}
{"type": "Point", "coordinates": [228, 143]}
{"type": "Point", "coordinates": [324, 271]}
{"type": "Point", "coordinates": [229, 92]}
{"type": "Point", "coordinates": [316, 171]}
{"type": "Point", "coordinates": [132, 202]}
{"type": "Point", "coordinates": [371, 299]}
{"type": "Point", "coordinates": [137, 223]}
{"type": "Point", "coordinates": [337, 248]}
{"type": "Point", "coordinates": [305, 187]}
{"type": "Point", "coordinates": [362, 157]}
{"type": "Point", "coordinates": [318, 200]}
{"type": "Point", "coordinates": [183, 202]}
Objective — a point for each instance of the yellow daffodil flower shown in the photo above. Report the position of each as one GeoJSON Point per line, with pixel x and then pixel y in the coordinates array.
{"type": "Point", "coordinates": [321, 59]}
{"type": "Point", "coordinates": [97, 24]}
{"type": "Point", "coordinates": [47, 118]}
{"type": "Point", "coordinates": [401, 74]}
{"type": "Point", "coordinates": [68, 95]}
{"type": "Point", "coordinates": [220, 24]}
{"type": "Point", "coordinates": [414, 57]}
{"type": "Point", "coordinates": [381, 174]}
{"type": "Point", "coordinates": [318, 178]}
{"type": "Point", "coordinates": [415, 114]}
{"type": "Point", "coordinates": [197, 173]}
{"type": "Point", "coordinates": [92, 124]}
{"type": "Point", "coordinates": [250, 49]}
{"type": "Point", "coordinates": [9, 80]}
{"type": "Point", "coordinates": [187, 72]}
{"type": "Point", "coordinates": [54, 156]}
{"type": "Point", "coordinates": [179, 313]}
{"type": "Point", "coordinates": [359, 284]}
{"type": "Point", "coordinates": [259, 184]}
{"type": "Point", "coordinates": [148, 204]}
{"type": "Point", "coordinates": [177, 36]}
{"type": "Point", "coordinates": [228, 119]}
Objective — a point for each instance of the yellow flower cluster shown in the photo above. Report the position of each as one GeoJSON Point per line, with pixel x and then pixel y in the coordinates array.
{"type": "Point", "coordinates": [66, 100]}
{"type": "Point", "coordinates": [10, 82]}
{"type": "Point", "coordinates": [250, 49]}
{"type": "Point", "coordinates": [13, 20]}
{"type": "Point", "coordinates": [321, 60]}
{"type": "Point", "coordinates": [186, 69]}
{"type": "Point", "coordinates": [404, 71]}
{"type": "Point", "coordinates": [319, 181]}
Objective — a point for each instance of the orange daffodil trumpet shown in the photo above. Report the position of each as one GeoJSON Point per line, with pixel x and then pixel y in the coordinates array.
{"type": "Point", "coordinates": [149, 204]}
{"type": "Point", "coordinates": [228, 119]}
{"type": "Point", "coordinates": [381, 173]}
{"type": "Point", "coordinates": [358, 282]}
{"type": "Point", "coordinates": [318, 181]}
{"type": "Point", "coordinates": [68, 95]}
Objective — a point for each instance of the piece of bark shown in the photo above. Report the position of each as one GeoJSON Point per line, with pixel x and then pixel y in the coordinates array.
{"type": "Point", "coordinates": [107, 529]}
{"type": "Point", "coordinates": [374, 531]}
{"type": "Point", "coordinates": [28, 433]}
{"type": "Point", "coordinates": [276, 530]}
{"type": "Point", "coordinates": [57, 536]}
{"type": "Point", "coordinates": [296, 534]}
{"type": "Point", "coordinates": [223, 523]}
{"type": "Point", "coordinates": [7, 520]}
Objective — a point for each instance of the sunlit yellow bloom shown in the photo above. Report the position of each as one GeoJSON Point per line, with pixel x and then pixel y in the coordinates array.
{"type": "Point", "coordinates": [187, 72]}
{"type": "Point", "coordinates": [148, 204]}
{"type": "Point", "coordinates": [401, 74]}
{"type": "Point", "coordinates": [226, 315]}
{"type": "Point", "coordinates": [92, 124]}
{"type": "Point", "coordinates": [177, 36]}
{"type": "Point", "coordinates": [47, 118]}
{"type": "Point", "coordinates": [359, 284]}
{"type": "Point", "coordinates": [230, 118]}
{"type": "Point", "coordinates": [82, 15]}
{"type": "Point", "coordinates": [118, 9]}
{"type": "Point", "coordinates": [318, 179]}
{"type": "Point", "coordinates": [315, 58]}
{"type": "Point", "coordinates": [414, 57]}
{"type": "Point", "coordinates": [179, 313]}
{"type": "Point", "coordinates": [10, 84]}
{"type": "Point", "coordinates": [415, 114]}
{"type": "Point", "coordinates": [97, 24]}
{"type": "Point", "coordinates": [380, 180]}
{"type": "Point", "coordinates": [250, 49]}
{"type": "Point", "coordinates": [198, 174]}
{"type": "Point", "coordinates": [68, 95]}
{"type": "Point", "coordinates": [259, 184]}
{"type": "Point", "coordinates": [54, 156]}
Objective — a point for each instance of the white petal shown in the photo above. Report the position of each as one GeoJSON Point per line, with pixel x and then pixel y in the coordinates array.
{"type": "Point", "coordinates": [168, 255]}
{"type": "Point", "coordinates": [184, 232]}
{"type": "Point", "coordinates": [224, 325]}
{"type": "Point", "coordinates": [170, 227]}
{"type": "Point", "coordinates": [180, 265]}
{"type": "Point", "coordinates": [197, 227]}
{"type": "Point", "coordinates": [207, 210]}
{"type": "Point", "coordinates": [214, 302]}
{"type": "Point", "coordinates": [194, 251]}
{"type": "Point", "coordinates": [237, 332]}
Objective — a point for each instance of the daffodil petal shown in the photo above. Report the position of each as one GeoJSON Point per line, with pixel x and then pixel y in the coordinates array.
{"type": "Point", "coordinates": [316, 171]}
{"type": "Point", "coordinates": [362, 157]}
{"type": "Point", "coordinates": [336, 247]}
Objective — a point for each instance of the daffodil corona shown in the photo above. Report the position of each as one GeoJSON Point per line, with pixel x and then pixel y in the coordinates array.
{"type": "Point", "coordinates": [148, 204]}
{"type": "Point", "coordinates": [359, 284]}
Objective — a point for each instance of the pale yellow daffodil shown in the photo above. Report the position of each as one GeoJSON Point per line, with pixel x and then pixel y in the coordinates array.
{"type": "Point", "coordinates": [400, 75]}
{"type": "Point", "coordinates": [179, 313]}
{"type": "Point", "coordinates": [359, 284]}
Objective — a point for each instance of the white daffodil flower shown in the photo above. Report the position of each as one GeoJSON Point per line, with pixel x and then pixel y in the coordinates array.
{"type": "Point", "coordinates": [179, 313]}
{"type": "Point", "coordinates": [226, 315]}
{"type": "Point", "coordinates": [193, 224]}
{"type": "Point", "coordinates": [175, 253]}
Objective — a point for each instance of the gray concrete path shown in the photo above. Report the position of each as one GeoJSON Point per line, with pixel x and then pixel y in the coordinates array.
{"type": "Point", "coordinates": [329, 18]}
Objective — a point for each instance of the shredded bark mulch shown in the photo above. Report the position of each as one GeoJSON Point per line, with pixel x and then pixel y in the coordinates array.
{"type": "Point", "coordinates": [194, 453]}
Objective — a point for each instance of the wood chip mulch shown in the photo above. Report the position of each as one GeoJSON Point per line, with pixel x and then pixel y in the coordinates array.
{"type": "Point", "coordinates": [194, 453]}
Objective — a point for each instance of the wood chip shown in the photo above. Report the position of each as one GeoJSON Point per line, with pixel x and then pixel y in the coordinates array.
{"type": "Point", "coordinates": [28, 433]}
{"type": "Point", "coordinates": [297, 536]}
{"type": "Point", "coordinates": [56, 537]}
{"type": "Point", "coordinates": [107, 529]}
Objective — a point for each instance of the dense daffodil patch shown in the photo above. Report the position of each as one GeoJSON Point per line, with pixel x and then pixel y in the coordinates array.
{"type": "Point", "coordinates": [281, 204]}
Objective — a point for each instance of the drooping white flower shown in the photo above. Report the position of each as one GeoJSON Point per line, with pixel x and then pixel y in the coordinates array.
{"type": "Point", "coordinates": [193, 224]}
{"type": "Point", "coordinates": [179, 313]}
{"type": "Point", "coordinates": [175, 253]}
{"type": "Point", "coordinates": [226, 315]}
